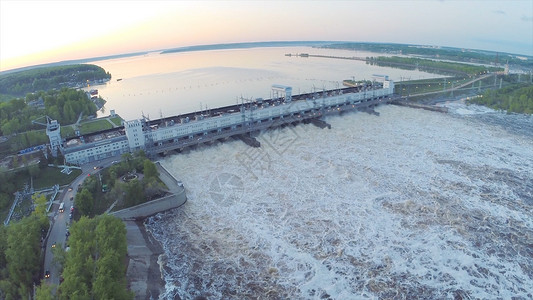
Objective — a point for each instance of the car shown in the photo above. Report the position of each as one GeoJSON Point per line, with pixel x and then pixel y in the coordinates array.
{"type": "Point", "coordinates": [70, 216]}
{"type": "Point", "coordinates": [53, 245]}
{"type": "Point", "coordinates": [114, 162]}
{"type": "Point", "coordinates": [71, 198]}
{"type": "Point", "coordinates": [47, 274]}
{"type": "Point", "coordinates": [70, 189]}
{"type": "Point", "coordinates": [72, 209]}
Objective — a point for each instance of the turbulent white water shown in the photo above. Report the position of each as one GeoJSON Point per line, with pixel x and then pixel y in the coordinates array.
{"type": "Point", "coordinates": [408, 204]}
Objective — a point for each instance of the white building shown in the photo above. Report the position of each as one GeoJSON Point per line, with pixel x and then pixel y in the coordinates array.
{"type": "Point", "coordinates": [145, 135]}
{"type": "Point", "coordinates": [90, 148]}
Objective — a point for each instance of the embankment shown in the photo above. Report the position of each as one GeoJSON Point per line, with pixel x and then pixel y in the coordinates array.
{"type": "Point", "coordinates": [144, 273]}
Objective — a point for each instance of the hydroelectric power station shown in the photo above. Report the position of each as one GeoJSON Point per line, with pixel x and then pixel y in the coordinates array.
{"type": "Point", "coordinates": [240, 120]}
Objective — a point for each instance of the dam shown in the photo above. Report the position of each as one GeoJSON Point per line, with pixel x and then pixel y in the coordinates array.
{"type": "Point", "coordinates": [161, 136]}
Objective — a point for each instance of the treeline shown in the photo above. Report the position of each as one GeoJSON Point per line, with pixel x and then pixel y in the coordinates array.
{"type": "Point", "coordinates": [47, 78]}
{"type": "Point", "coordinates": [63, 105]}
{"type": "Point", "coordinates": [20, 252]}
{"type": "Point", "coordinates": [97, 193]}
{"type": "Point", "coordinates": [432, 64]}
{"type": "Point", "coordinates": [11, 180]}
{"type": "Point", "coordinates": [517, 98]}
{"type": "Point", "coordinates": [447, 53]}
{"type": "Point", "coordinates": [94, 267]}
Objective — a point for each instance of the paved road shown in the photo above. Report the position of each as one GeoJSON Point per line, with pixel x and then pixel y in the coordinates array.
{"type": "Point", "coordinates": [455, 87]}
{"type": "Point", "coordinates": [59, 222]}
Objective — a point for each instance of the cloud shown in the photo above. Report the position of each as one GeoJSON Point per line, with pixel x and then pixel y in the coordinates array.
{"type": "Point", "coordinates": [499, 12]}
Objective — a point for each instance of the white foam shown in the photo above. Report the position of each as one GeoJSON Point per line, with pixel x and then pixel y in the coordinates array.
{"type": "Point", "coordinates": [408, 203]}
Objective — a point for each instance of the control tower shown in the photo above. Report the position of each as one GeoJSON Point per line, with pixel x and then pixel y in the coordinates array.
{"type": "Point", "coordinates": [282, 92]}
{"type": "Point", "coordinates": [53, 131]}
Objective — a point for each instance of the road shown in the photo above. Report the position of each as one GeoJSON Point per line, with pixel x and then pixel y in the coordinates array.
{"type": "Point", "coordinates": [59, 222]}
{"type": "Point", "coordinates": [455, 87]}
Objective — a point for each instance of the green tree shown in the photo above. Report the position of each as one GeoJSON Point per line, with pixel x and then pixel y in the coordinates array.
{"type": "Point", "coordinates": [84, 202]}
{"type": "Point", "coordinates": [44, 292]}
{"type": "Point", "coordinates": [94, 267]}
{"type": "Point", "coordinates": [79, 267]}
{"type": "Point", "coordinates": [127, 158]}
{"type": "Point", "coordinates": [23, 253]}
{"type": "Point", "coordinates": [149, 169]}
{"type": "Point", "coordinates": [134, 193]}
{"type": "Point", "coordinates": [40, 204]}
{"type": "Point", "coordinates": [152, 187]}
{"type": "Point", "coordinates": [60, 257]}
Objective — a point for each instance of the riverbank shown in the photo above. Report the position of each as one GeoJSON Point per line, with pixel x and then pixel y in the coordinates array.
{"type": "Point", "coordinates": [143, 271]}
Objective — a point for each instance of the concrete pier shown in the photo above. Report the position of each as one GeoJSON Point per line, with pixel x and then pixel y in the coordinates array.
{"type": "Point", "coordinates": [250, 141]}
{"type": "Point", "coordinates": [421, 106]}
{"type": "Point", "coordinates": [319, 123]}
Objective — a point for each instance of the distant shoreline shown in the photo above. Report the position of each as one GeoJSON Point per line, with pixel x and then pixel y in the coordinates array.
{"type": "Point", "coordinates": [246, 46]}
{"type": "Point", "coordinates": [174, 50]}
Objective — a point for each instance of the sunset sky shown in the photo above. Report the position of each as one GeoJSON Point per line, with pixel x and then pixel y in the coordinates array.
{"type": "Point", "coordinates": [36, 32]}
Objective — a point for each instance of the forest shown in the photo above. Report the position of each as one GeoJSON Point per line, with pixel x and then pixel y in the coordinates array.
{"type": "Point", "coordinates": [434, 66]}
{"type": "Point", "coordinates": [94, 268]}
{"type": "Point", "coordinates": [517, 98]}
{"type": "Point", "coordinates": [18, 84]}
{"type": "Point", "coordinates": [20, 252]}
{"type": "Point", "coordinates": [64, 105]}
{"type": "Point", "coordinates": [98, 193]}
{"type": "Point", "coordinates": [445, 53]}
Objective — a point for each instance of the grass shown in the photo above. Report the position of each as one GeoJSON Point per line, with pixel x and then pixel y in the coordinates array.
{"type": "Point", "coordinates": [116, 120]}
{"type": "Point", "coordinates": [50, 176]}
{"type": "Point", "coordinates": [94, 126]}
{"type": "Point", "coordinates": [46, 178]}
{"type": "Point", "coordinates": [429, 85]}
{"type": "Point", "coordinates": [67, 131]}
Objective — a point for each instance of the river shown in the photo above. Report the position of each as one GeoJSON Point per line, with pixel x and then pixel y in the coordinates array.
{"type": "Point", "coordinates": [175, 83]}
{"type": "Point", "coordinates": [408, 204]}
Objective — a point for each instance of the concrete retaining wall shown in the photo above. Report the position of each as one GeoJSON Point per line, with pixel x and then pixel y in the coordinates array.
{"type": "Point", "coordinates": [153, 207]}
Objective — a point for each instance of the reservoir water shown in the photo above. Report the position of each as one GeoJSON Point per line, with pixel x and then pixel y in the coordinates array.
{"type": "Point", "coordinates": [408, 204]}
{"type": "Point", "coordinates": [176, 83]}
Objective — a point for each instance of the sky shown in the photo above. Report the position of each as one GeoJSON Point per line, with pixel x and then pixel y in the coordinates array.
{"type": "Point", "coordinates": [37, 32]}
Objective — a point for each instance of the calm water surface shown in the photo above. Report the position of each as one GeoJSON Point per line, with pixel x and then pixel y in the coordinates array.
{"type": "Point", "coordinates": [171, 84]}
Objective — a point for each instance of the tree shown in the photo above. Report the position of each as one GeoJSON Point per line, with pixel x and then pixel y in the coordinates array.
{"type": "Point", "coordinates": [127, 157]}
{"type": "Point", "coordinates": [92, 184]}
{"type": "Point", "coordinates": [23, 253]}
{"type": "Point", "coordinates": [95, 263]}
{"type": "Point", "coordinates": [118, 191]}
{"type": "Point", "coordinates": [44, 292]}
{"type": "Point", "coordinates": [79, 266]}
{"type": "Point", "coordinates": [39, 201]}
{"type": "Point", "coordinates": [149, 169]}
{"type": "Point", "coordinates": [134, 193]}
{"type": "Point", "coordinates": [60, 257]}
{"type": "Point", "coordinates": [84, 202]}
{"type": "Point", "coordinates": [152, 187]}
